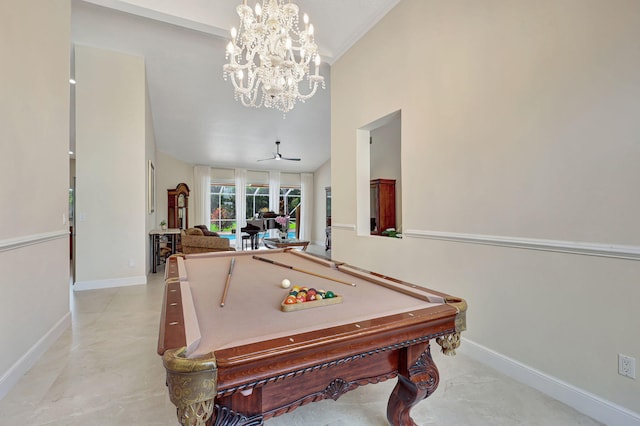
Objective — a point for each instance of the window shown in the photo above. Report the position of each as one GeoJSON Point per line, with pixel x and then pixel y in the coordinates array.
{"type": "Point", "coordinates": [257, 200]}
{"type": "Point", "coordinates": [290, 204]}
{"type": "Point", "coordinates": [223, 204]}
{"type": "Point", "coordinates": [223, 207]}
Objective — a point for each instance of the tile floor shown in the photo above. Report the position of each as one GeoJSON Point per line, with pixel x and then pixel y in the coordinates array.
{"type": "Point", "coordinates": [105, 371]}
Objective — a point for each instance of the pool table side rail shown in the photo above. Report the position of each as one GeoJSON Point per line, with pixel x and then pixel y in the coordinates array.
{"type": "Point", "coordinates": [270, 361]}
{"type": "Point", "coordinates": [379, 279]}
{"type": "Point", "coordinates": [172, 330]}
{"type": "Point", "coordinates": [375, 277]}
{"type": "Point", "coordinates": [439, 320]}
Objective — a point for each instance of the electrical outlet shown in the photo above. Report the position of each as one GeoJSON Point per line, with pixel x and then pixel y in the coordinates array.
{"type": "Point", "coordinates": [626, 366]}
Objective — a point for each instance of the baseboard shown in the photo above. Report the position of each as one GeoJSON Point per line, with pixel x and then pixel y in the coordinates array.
{"type": "Point", "coordinates": [585, 402]}
{"type": "Point", "coordinates": [24, 364]}
{"type": "Point", "coordinates": [110, 283]}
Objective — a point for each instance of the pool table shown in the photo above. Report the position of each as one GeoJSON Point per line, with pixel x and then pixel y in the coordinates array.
{"type": "Point", "coordinates": [250, 360]}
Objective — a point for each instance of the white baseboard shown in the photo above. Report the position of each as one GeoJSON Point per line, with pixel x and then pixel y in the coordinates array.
{"type": "Point", "coordinates": [110, 283]}
{"type": "Point", "coordinates": [24, 364]}
{"type": "Point", "coordinates": [585, 402]}
{"type": "Point", "coordinates": [319, 243]}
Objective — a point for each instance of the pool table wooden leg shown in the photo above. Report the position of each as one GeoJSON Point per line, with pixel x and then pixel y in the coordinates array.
{"type": "Point", "coordinates": [418, 378]}
{"type": "Point", "coordinates": [192, 385]}
{"type": "Point", "coordinates": [224, 416]}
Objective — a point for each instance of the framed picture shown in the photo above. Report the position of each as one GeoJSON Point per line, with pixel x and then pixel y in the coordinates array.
{"type": "Point", "coordinates": [152, 188]}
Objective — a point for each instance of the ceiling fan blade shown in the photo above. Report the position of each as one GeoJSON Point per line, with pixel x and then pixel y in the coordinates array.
{"type": "Point", "coordinates": [278, 156]}
{"type": "Point", "coordinates": [271, 158]}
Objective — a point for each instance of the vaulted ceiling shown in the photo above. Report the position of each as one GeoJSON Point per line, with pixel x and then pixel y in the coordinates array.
{"type": "Point", "coordinates": [196, 118]}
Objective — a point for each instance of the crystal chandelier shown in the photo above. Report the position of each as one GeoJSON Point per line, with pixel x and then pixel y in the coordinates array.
{"type": "Point", "coordinates": [271, 54]}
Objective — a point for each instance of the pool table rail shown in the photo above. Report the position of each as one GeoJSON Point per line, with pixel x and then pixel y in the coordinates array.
{"type": "Point", "coordinates": [172, 330]}
{"type": "Point", "coordinates": [244, 366]}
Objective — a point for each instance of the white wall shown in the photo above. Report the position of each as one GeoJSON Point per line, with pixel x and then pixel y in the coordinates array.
{"type": "Point", "coordinates": [111, 169]}
{"type": "Point", "coordinates": [169, 173]}
{"type": "Point", "coordinates": [519, 128]}
{"type": "Point", "coordinates": [34, 166]}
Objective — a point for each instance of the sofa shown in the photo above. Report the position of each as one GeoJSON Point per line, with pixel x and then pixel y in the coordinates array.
{"type": "Point", "coordinates": [193, 240]}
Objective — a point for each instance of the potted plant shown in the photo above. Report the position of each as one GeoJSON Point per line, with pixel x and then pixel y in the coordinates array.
{"type": "Point", "coordinates": [163, 224]}
{"type": "Point", "coordinates": [283, 221]}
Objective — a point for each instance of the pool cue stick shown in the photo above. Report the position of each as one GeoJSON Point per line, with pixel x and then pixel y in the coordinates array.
{"type": "Point", "coordinates": [226, 284]}
{"type": "Point", "coordinates": [284, 265]}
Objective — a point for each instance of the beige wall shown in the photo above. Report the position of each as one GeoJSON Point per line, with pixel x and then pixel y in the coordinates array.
{"type": "Point", "coordinates": [34, 166]}
{"type": "Point", "coordinates": [519, 121]}
{"type": "Point", "coordinates": [111, 169]}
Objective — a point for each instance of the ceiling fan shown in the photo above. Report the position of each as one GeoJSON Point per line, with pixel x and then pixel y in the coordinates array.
{"type": "Point", "coordinates": [278, 156]}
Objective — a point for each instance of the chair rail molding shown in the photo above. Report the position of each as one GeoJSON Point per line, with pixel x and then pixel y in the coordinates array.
{"type": "Point", "coordinates": [343, 226]}
{"type": "Point", "coordinates": [27, 240]}
{"type": "Point", "coordinates": [582, 248]}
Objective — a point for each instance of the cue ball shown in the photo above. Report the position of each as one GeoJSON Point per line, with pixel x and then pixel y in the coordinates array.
{"type": "Point", "coordinates": [285, 283]}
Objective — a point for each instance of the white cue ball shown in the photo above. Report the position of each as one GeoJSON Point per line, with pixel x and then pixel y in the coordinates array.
{"type": "Point", "coordinates": [285, 283]}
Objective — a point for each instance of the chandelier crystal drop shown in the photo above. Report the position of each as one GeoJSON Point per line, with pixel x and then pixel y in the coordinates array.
{"type": "Point", "coordinates": [272, 55]}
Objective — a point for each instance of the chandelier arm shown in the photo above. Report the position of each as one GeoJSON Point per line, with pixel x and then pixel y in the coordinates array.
{"type": "Point", "coordinates": [308, 96]}
{"type": "Point", "coordinates": [313, 84]}
{"type": "Point", "coordinates": [248, 97]}
{"type": "Point", "coordinates": [275, 53]}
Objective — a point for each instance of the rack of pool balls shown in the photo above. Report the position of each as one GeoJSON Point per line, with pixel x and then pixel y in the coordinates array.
{"type": "Point", "coordinates": [301, 297]}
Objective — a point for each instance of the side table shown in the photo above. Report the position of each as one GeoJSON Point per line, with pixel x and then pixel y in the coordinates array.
{"type": "Point", "coordinates": [156, 236]}
{"type": "Point", "coordinates": [289, 242]}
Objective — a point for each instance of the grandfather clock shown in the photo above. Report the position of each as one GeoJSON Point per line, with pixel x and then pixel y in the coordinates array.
{"type": "Point", "coordinates": [178, 204]}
